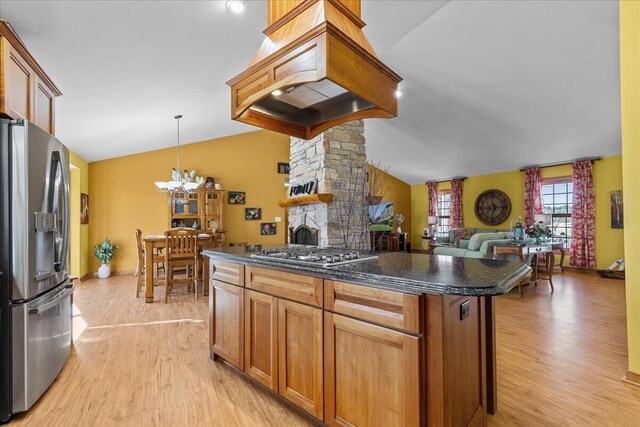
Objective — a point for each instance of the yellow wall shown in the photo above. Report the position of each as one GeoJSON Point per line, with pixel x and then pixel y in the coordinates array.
{"type": "Point", "coordinates": [79, 233]}
{"type": "Point", "coordinates": [630, 109]}
{"type": "Point", "coordinates": [607, 177]}
{"type": "Point", "coordinates": [399, 193]}
{"type": "Point", "coordinates": [124, 197]}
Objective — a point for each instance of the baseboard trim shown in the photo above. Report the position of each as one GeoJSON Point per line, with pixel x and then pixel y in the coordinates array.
{"type": "Point", "coordinates": [632, 378]}
{"type": "Point", "coordinates": [113, 273]}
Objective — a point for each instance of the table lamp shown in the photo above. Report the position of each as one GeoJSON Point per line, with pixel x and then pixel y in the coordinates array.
{"type": "Point", "coordinates": [431, 221]}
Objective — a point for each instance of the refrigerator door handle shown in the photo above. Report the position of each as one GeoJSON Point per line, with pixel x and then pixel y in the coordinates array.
{"type": "Point", "coordinates": [54, 302]}
{"type": "Point", "coordinates": [60, 254]}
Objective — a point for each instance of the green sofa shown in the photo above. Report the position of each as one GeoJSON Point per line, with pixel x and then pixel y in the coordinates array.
{"type": "Point", "coordinates": [479, 245]}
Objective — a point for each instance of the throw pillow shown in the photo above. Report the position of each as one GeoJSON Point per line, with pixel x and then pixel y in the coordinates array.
{"type": "Point", "coordinates": [462, 233]}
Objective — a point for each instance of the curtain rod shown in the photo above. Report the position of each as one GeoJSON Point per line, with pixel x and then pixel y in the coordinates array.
{"type": "Point", "coordinates": [547, 165]}
{"type": "Point", "coordinates": [461, 178]}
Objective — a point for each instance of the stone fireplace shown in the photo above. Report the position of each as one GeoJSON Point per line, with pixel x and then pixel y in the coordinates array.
{"type": "Point", "coordinates": [337, 159]}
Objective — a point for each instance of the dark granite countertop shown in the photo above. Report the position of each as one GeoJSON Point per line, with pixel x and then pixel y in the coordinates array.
{"type": "Point", "coordinates": [402, 272]}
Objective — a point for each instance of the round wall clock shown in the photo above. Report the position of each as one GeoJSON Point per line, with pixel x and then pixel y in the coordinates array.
{"type": "Point", "coordinates": [493, 207]}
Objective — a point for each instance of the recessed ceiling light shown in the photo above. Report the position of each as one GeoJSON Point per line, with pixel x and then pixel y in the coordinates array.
{"type": "Point", "coordinates": [398, 93]}
{"type": "Point", "coordinates": [236, 6]}
{"type": "Point", "coordinates": [276, 92]}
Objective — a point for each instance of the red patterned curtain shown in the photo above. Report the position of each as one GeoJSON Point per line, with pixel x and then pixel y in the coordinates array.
{"type": "Point", "coordinates": [455, 214]}
{"type": "Point", "coordinates": [532, 194]}
{"type": "Point", "coordinates": [583, 217]}
{"type": "Point", "coordinates": [433, 198]}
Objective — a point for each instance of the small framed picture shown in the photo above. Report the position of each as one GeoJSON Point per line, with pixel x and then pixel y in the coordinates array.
{"type": "Point", "coordinates": [237, 198]}
{"type": "Point", "coordinates": [252, 214]}
{"type": "Point", "coordinates": [283, 167]}
{"type": "Point", "coordinates": [210, 182]}
{"type": "Point", "coordinates": [84, 208]}
{"type": "Point", "coordinates": [268, 228]}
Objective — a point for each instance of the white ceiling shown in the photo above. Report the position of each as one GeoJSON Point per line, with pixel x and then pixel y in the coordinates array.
{"type": "Point", "coordinates": [489, 86]}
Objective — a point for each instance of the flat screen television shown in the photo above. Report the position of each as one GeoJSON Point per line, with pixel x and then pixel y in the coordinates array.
{"type": "Point", "coordinates": [381, 217]}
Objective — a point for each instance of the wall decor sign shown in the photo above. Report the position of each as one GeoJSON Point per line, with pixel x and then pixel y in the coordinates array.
{"type": "Point", "coordinates": [268, 228]}
{"type": "Point", "coordinates": [237, 198]}
{"type": "Point", "coordinates": [252, 214]}
{"type": "Point", "coordinates": [283, 167]}
{"type": "Point", "coordinates": [84, 208]}
{"type": "Point", "coordinates": [617, 214]}
{"type": "Point", "coordinates": [308, 187]}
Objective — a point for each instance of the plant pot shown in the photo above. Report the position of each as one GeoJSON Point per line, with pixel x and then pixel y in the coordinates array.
{"type": "Point", "coordinates": [104, 271]}
{"type": "Point", "coordinates": [374, 200]}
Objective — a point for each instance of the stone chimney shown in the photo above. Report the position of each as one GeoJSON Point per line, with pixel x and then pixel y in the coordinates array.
{"type": "Point", "coordinates": [337, 159]}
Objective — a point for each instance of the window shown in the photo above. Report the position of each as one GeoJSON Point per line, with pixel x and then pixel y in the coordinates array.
{"type": "Point", "coordinates": [443, 211]}
{"type": "Point", "coordinates": [557, 200]}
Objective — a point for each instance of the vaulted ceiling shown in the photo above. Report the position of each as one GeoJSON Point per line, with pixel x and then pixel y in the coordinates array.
{"type": "Point", "coordinates": [489, 86]}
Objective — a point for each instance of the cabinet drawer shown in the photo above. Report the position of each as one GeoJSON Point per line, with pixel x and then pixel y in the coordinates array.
{"type": "Point", "coordinates": [394, 309]}
{"type": "Point", "coordinates": [227, 272]}
{"type": "Point", "coordinates": [537, 249]}
{"type": "Point", "coordinates": [296, 287]}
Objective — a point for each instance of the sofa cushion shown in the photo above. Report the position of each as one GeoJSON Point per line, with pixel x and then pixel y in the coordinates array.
{"type": "Point", "coordinates": [450, 250]}
{"type": "Point", "coordinates": [463, 243]}
{"type": "Point", "coordinates": [477, 239]}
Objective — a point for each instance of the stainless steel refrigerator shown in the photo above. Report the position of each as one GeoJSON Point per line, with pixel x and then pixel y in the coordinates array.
{"type": "Point", "coordinates": [35, 292]}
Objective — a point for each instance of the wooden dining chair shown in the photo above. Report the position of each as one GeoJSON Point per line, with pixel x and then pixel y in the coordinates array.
{"type": "Point", "coordinates": [181, 251]}
{"type": "Point", "coordinates": [158, 261]}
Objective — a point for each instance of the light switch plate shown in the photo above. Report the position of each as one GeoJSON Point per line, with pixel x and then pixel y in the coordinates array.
{"type": "Point", "coordinates": [278, 219]}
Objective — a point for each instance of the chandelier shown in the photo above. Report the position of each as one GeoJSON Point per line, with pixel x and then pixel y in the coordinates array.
{"type": "Point", "coordinates": [178, 180]}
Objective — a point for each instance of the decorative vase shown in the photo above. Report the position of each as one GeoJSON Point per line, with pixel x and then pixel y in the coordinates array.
{"type": "Point", "coordinates": [374, 200]}
{"type": "Point", "coordinates": [399, 230]}
{"type": "Point", "coordinates": [104, 271]}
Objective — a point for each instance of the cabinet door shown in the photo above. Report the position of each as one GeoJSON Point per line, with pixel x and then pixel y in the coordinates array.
{"type": "Point", "coordinates": [261, 315]}
{"type": "Point", "coordinates": [18, 85]}
{"type": "Point", "coordinates": [372, 374]}
{"type": "Point", "coordinates": [300, 356]}
{"type": "Point", "coordinates": [226, 316]}
{"type": "Point", "coordinates": [44, 107]}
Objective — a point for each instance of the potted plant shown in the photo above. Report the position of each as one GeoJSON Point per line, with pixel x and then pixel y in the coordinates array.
{"type": "Point", "coordinates": [539, 231]}
{"type": "Point", "coordinates": [104, 252]}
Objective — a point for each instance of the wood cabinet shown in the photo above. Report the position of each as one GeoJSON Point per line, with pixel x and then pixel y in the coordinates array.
{"type": "Point", "coordinates": [261, 332]}
{"type": "Point", "coordinates": [202, 209]}
{"type": "Point", "coordinates": [26, 92]}
{"type": "Point", "coordinates": [226, 305]}
{"type": "Point", "coordinates": [300, 358]}
{"type": "Point", "coordinates": [349, 354]}
{"type": "Point", "coordinates": [372, 374]}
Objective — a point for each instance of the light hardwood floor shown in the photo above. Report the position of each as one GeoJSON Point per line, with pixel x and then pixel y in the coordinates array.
{"type": "Point", "coordinates": [561, 358]}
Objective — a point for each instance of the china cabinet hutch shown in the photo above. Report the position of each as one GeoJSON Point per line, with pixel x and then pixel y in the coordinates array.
{"type": "Point", "coordinates": [202, 209]}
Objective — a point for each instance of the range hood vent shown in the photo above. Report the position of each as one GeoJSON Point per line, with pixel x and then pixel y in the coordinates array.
{"type": "Point", "coordinates": [314, 70]}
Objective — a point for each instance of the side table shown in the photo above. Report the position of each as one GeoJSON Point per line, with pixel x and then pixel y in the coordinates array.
{"type": "Point", "coordinates": [535, 250]}
{"type": "Point", "coordinates": [431, 244]}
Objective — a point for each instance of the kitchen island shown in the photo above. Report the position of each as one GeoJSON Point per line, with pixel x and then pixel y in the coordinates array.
{"type": "Point", "coordinates": [399, 340]}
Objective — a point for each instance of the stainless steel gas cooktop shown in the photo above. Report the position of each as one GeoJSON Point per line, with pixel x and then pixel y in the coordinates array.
{"type": "Point", "coordinates": [314, 255]}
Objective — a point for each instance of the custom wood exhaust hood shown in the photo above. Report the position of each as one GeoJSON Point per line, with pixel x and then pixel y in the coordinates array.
{"type": "Point", "coordinates": [314, 70]}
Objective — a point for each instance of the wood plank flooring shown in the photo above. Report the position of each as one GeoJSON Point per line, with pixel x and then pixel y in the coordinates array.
{"type": "Point", "coordinates": [561, 358]}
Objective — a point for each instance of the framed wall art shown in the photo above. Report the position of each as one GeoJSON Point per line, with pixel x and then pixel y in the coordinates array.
{"type": "Point", "coordinates": [252, 214]}
{"type": "Point", "coordinates": [237, 198]}
{"type": "Point", "coordinates": [268, 228]}
{"type": "Point", "coordinates": [84, 208]}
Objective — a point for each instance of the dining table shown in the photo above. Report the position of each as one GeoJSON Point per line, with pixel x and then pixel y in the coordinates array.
{"type": "Point", "coordinates": [155, 242]}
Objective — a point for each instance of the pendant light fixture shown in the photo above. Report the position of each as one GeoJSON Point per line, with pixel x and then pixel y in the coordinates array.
{"type": "Point", "coordinates": [178, 181]}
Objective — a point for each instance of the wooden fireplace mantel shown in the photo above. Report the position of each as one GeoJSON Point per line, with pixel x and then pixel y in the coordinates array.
{"type": "Point", "coordinates": [306, 200]}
